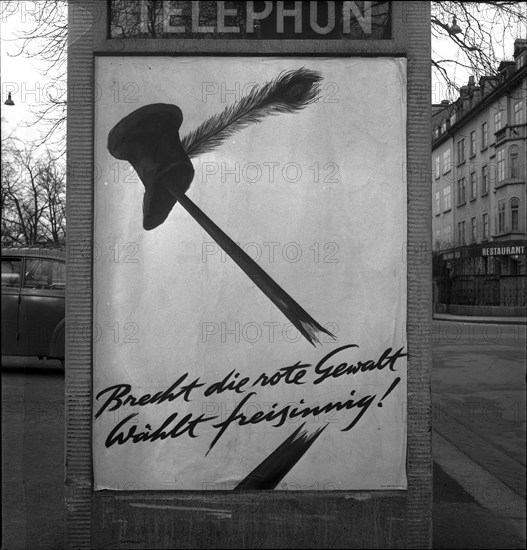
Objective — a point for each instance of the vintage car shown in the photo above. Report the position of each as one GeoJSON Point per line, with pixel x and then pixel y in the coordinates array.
{"type": "Point", "coordinates": [33, 302]}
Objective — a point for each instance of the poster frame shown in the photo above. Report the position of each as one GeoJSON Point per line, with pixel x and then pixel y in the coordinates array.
{"type": "Point", "coordinates": [96, 519]}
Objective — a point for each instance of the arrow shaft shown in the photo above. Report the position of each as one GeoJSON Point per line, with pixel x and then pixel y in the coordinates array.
{"type": "Point", "coordinates": [305, 324]}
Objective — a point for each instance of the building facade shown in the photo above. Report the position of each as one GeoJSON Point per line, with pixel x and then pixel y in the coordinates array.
{"type": "Point", "coordinates": [479, 191]}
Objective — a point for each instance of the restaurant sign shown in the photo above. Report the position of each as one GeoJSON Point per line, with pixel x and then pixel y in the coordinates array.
{"type": "Point", "coordinates": [501, 250]}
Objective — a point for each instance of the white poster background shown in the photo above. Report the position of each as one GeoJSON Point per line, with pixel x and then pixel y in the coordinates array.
{"type": "Point", "coordinates": [318, 198]}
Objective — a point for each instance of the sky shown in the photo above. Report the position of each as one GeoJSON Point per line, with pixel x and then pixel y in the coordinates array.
{"type": "Point", "coordinates": [20, 76]}
{"type": "Point", "coordinates": [30, 88]}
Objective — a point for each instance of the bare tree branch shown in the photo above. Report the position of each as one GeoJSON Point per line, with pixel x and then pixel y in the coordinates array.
{"type": "Point", "coordinates": [485, 28]}
{"type": "Point", "coordinates": [33, 192]}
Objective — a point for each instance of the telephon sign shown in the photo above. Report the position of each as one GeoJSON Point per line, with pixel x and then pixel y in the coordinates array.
{"type": "Point", "coordinates": [252, 20]}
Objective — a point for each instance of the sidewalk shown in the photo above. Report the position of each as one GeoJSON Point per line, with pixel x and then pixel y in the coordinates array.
{"type": "Point", "coordinates": [459, 521]}
{"type": "Point", "coordinates": [476, 319]}
{"type": "Point", "coordinates": [478, 409]}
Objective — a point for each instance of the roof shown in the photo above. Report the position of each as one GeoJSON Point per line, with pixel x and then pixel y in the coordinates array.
{"type": "Point", "coordinates": [483, 103]}
{"type": "Point", "coordinates": [58, 253]}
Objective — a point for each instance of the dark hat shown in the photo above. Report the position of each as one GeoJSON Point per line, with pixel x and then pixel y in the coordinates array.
{"type": "Point", "coordinates": [149, 140]}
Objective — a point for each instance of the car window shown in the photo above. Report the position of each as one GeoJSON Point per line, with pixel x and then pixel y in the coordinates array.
{"type": "Point", "coordinates": [11, 273]}
{"type": "Point", "coordinates": [46, 274]}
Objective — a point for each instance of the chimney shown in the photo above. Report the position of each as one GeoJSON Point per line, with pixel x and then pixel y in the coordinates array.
{"type": "Point", "coordinates": [520, 52]}
{"type": "Point", "coordinates": [520, 45]}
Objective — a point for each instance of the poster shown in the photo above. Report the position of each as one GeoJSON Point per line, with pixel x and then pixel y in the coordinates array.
{"type": "Point", "coordinates": [276, 359]}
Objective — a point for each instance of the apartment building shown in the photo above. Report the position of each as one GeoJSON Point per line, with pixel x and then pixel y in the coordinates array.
{"type": "Point", "coordinates": [479, 189]}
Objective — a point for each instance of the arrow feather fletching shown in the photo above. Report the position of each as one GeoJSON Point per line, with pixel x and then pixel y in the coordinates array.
{"type": "Point", "coordinates": [289, 92]}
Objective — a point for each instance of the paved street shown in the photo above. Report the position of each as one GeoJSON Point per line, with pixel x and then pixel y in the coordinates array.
{"type": "Point", "coordinates": [478, 389]}
{"type": "Point", "coordinates": [478, 382]}
{"type": "Point", "coordinates": [479, 442]}
{"type": "Point", "coordinates": [32, 454]}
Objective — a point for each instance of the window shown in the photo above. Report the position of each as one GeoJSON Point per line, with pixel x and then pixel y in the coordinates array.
{"type": "Point", "coordinates": [501, 217]}
{"type": "Point", "coordinates": [437, 242]}
{"type": "Point", "coordinates": [453, 118]}
{"type": "Point", "coordinates": [47, 274]}
{"type": "Point", "coordinates": [472, 143]}
{"type": "Point", "coordinates": [436, 132]}
{"type": "Point", "coordinates": [443, 126]}
{"type": "Point", "coordinates": [501, 164]}
{"type": "Point", "coordinates": [514, 164]}
{"type": "Point", "coordinates": [438, 203]}
{"type": "Point", "coordinates": [447, 199]}
{"type": "Point", "coordinates": [518, 112]}
{"type": "Point", "coordinates": [437, 166]}
{"type": "Point", "coordinates": [473, 186]}
{"type": "Point", "coordinates": [10, 274]}
{"type": "Point", "coordinates": [461, 232]}
{"type": "Point", "coordinates": [461, 151]}
{"type": "Point", "coordinates": [485, 228]}
{"type": "Point", "coordinates": [484, 135]}
{"type": "Point", "coordinates": [515, 211]}
{"type": "Point", "coordinates": [484, 180]}
{"type": "Point", "coordinates": [447, 235]}
{"type": "Point", "coordinates": [498, 121]}
{"type": "Point", "coordinates": [461, 192]}
{"type": "Point", "coordinates": [473, 234]}
{"type": "Point", "coordinates": [446, 161]}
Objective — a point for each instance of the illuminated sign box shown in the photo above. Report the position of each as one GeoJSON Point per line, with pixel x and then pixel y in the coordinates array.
{"type": "Point", "coordinates": [238, 176]}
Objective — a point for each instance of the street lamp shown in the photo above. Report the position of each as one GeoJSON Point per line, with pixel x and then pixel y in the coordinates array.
{"type": "Point", "coordinates": [9, 101]}
{"type": "Point", "coordinates": [454, 28]}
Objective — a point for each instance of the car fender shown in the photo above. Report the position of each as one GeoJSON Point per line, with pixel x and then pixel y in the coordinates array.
{"type": "Point", "coordinates": [58, 341]}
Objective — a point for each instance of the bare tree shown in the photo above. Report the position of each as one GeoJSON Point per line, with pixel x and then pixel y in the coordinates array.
{"type": "Point", "coordinates": [12, 230]}
{"type": "Point", "coordinates": [21, 204]}
{"type": "Point", "coordinates": [33, 193]}
{"type": "Point", "coordinates": [46, 39]}
{"type": "Point", "coordinates": [479, 30]}
{"type": "Point", "coordinates": [52, 183]}
{"type": "Point", "coordinates": [483, 28]}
